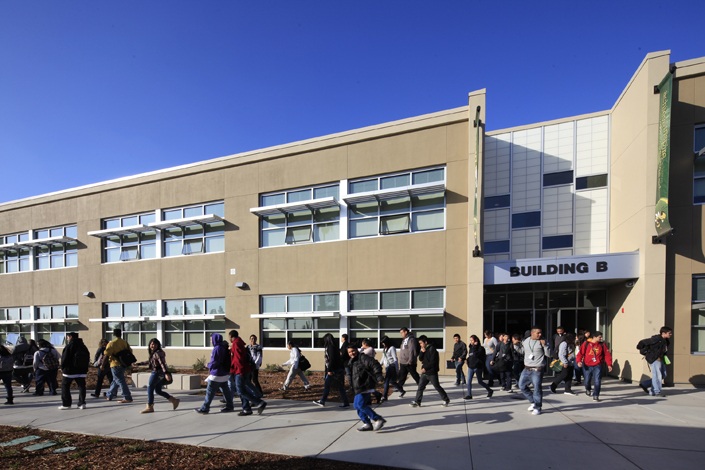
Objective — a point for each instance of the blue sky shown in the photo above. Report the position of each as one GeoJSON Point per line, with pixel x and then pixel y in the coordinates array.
{"type": "Point", "coordinates": [91, 91]}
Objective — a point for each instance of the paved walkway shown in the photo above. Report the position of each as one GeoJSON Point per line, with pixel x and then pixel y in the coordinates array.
{"type": "Point", "coordinates": [626, 430]}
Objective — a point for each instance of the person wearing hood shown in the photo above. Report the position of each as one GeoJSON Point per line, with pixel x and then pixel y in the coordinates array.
{"type": "Point", "coordinates": [6, 363]}
{"type": "Point", "coordinates": [74, 366]}
{"type": "Point", "coordinates": [24, 358]}
{"type": "Point", "coordinates": [46, 367]}
{"type": "Point", "coordinates": [241, 368]}
{"type": "Point", "coordinates": [219, 374]}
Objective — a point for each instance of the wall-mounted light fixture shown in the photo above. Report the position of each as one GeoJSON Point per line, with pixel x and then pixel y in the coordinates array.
{"type": "Point", "coordinates": [89, 294]}
{"type": "Point", "coordinates": [242, 285]}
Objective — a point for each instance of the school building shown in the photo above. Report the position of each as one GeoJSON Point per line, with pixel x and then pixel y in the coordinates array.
{"type": "Point", "coordinates": [437, 223]}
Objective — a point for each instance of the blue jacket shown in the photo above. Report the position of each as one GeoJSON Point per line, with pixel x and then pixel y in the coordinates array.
{"type": "Point", "coordinates": [219, 364]}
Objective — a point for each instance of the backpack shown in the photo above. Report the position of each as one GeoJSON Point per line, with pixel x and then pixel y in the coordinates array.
{"type": "Point", "coordinates": [124, 357]}
{"type": "Point", "coordinates": [644, 346]}
{"type": "Point", "coordinates": [49, 360]}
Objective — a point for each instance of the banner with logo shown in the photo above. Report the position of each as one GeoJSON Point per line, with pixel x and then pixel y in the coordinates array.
{"type": "Point", "coordinates": [663, 225]}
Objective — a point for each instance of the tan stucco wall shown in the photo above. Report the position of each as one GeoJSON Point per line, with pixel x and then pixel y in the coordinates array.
{"type": "Point", "coordinates": [633, 168]}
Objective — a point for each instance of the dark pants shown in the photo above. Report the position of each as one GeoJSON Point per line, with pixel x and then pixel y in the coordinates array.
{"type": "Point", "coordinates": [42, 377]}
{"type": "Point", "coordinates": [505, 378]}
{"type": "Point", "coordinates": [390, 377]}
{"type": "Point", "coordinates": [255, 381]}
{"type": "Point", "coordinates": [337, 378]}
{"type": "Point", "coordinates": [6, 378]}
{"type": "Point", "coordinates": [565, 375]}
{"type": "Point", "coordinates": [23, 376]}
{"type": "Point", "coordinates": [517, 367]}
{"type": "Point", "coordinates": [488, 373]}
{"type": "Point", "coordinates": [405, 370]}
{"type": "Point", "coordinates": [66, 390]}
{"type": "Point", "coordinates": [433, 379]}
{"type": "Point", "coordinates": [102, 373]}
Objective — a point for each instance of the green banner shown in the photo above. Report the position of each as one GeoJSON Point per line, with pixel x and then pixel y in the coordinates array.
{"type": "Point", "coordinates": [663, 225]}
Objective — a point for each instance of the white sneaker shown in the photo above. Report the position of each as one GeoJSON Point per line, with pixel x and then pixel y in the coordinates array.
{"type": "Point", "coordinates": [536, 412]}
{"type": "Point", "coordinates": [531, 408]}
{"type": "Point", "coordinates": [81, 407]}
{"type": "Point", "coordinates": [64, 407]}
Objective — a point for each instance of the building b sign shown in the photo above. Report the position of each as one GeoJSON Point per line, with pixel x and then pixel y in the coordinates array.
{"type": "Point", "coordinates": [578, 268]}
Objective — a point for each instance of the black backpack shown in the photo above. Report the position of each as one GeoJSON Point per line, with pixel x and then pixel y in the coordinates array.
{"type": "Point", "coordinates": [644, 346]}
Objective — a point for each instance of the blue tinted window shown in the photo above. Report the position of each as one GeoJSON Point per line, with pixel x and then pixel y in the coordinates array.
{"type": "Point", "coordinates": [526, 219]}
{"type": "Point", "coordinates": [501, 246]}
{"type": "Point", "coordinates": [560, 241]}
{"type": "Point", "coordinates": [555, 179]}
{"type": "Point", "coordinates": [496, 202]}
{"type": "Point", "coordinates": [589, 182]}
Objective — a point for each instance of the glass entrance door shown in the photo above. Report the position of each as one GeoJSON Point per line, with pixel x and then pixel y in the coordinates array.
{"type": "Point", "coordinates": [511, 321]}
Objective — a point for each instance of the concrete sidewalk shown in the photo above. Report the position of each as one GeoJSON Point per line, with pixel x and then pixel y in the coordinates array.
{"type": "Point", "coordinates": [626, 430]}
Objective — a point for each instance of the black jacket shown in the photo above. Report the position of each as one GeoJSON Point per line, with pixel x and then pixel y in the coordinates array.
{"type": "Point", "coordinates": [658, 345]}
{"type": "Point", "coordinates": [366, 373]}
{"type": "Point", "coordinates": [460, 350]}
{"type": "Point", "coordinates": [476, 356]}
{"type": "Point", "coordinates": [75, 358]}
{"type": "Point", "coordinates": [429, 360]}
{"type": "Point", "coordinates": [333, 359]}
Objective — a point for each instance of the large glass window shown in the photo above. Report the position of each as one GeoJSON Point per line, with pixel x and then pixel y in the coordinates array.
{"type": "Point", "coordinates": [407, 299]}
{"type": "Point", "coordinates": [136, 333]}
{"type": "Point", "coordinates": [10, 333]}
{"type": "Point", "coordinates": [699, 169]}
{"type": "Point", "coordinates": [56, 254]}
{"type": "Point", "coordinates": [391, 212]}
{"type": "Point", "coordinates": [302, 318]}
{"type": "Point", "coordinates": [196, 237]}
{"type": "Point", "coordinates": [376, 327]}
{"type": "Point", "coordinates": [52, 330]}
{"type": "Point", "coordinates": [300, 223]}
{"type": "Point", "coordinates": [697, 338]}
{"type": "Point", "coordinates": [130, 245]}
{"type": "Point", "coordinates": [207, 316]}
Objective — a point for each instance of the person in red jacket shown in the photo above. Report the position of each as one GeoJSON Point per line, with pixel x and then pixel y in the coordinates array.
{"type": "Point", "coordinates": [241, 369]}
{"type": "Point", "coordinates": [592, 355]}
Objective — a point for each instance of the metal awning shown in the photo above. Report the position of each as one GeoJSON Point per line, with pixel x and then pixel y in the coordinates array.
{"type": "Point", "coordinates": [187, 221]}
{"type": "Point", "coordinates": [393, 193]}
{"type": "Point", "coordinates": [117, 231]}
{"type": "Point", "coordinates": [296, 315]}
{"type": "Point", "coordinates": [388, 313]}
{"type": "Point", "coordinates": [290, 207]}
{"type": "Point", "coordinates": [46, 242]}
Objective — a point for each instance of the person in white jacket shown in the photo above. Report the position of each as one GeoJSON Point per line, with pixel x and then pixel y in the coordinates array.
{"type": "Point", "coordinates": [294, 356]}
{"type": "Point", "coordinates": [391, 368]}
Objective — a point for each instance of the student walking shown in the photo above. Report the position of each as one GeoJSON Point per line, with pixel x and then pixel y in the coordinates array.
{"type": "Point", "coordinates": [535, 354]}
{"type": "Point", "coordinates": [429, 372]}
{"type": "Point", "coordinates": [391, 369]}
{"type": "Point", "coordinates": [46, 367]}
{"type": "Point", "coordinates": [502, 362]}
{"type": "Point", "coordinates": [74, 366]}
{"type": "Point", "coordinates": [654, 350]}
{"type": "Point", "coordinates": [460, 352]}
{"type": "Point", "coordinates": [103, 366]}
{"type": "Point", "coordinates": [566, 354]}
{"type": "Point", "coordinates": [476, 363]}
{"type": "Point", "coordinates": [334, 372]}
{"type": "Point", "coordinates": [160, 374]}
{"type": "Point", "coordinates": [366, 374]}
{"type": "Point", "coordinates": [6, 365]}
{"type": "Point", "coordinates": [112, 350]}
{"type": "Point", "coordinates": [294, 370]}
{"type": "Point", "coordinates": [256, 353]}
{"type": "Point", "coordinates": [408, 356]}
{"type": "Point", "coordinates": [23, 354]}
{"type": "Point", "coordinates": [241, 367]}
{"type": "Point", "coordinates": [517, 357]}
{"type": "Point", "coordinates": [593, 354]}
{"type": "Point", "coordinates": [490, 345]}
{"type": "Point", "coordinates": [219, 374]}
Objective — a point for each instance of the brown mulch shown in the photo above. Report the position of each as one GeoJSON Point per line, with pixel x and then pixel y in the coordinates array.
{"type": "Point", "coordinates": [93, 452]}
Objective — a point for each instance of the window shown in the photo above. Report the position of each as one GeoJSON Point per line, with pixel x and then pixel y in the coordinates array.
{"type": "Point", "coordinates": [526, 219]}
{"type": "Point", "coordinates": [201, 318]}
{"type": "Point", "coordinates": [590, 182]}
{"type": "Point", "coordinates": [415, 299]}
{"type": "Point", "coordinates": [13, 257]}
{"type": "Point", "coordinates": [307, 215]}
{"type": "Point", "coordinates": [376, 327]}
{"type": "Point", "coordinates": [699, 167]}
{"type": "Point", "coordinates": [697, 338]}
{"type": "Point", "coordinates": [129, 310]}
{"type": "Point", "coordinates": [10, 329]}
{"type": "Point", "coordinates": [501, 246]}
{"type": "Point", "coordinates": [497, 202]}
{"type": "Point", "coordinates": [556, 179]}
{"type": "Point", "coordinates": [302, 318]}
{"type": "Point", "coordinates": [560, 241]}
{"type": "Point", "coordinates": [136, 333]}
{"type": "Point", "coordinates": [54, 321]}
{"type": "Point", "coordinates": [129, 238]}
{"type": "Point", "coordinates": [58, 249]}
{"type": "Point", "coordinates": [400, 203]}
{"type": "Point", "coordinates": [191, 231]}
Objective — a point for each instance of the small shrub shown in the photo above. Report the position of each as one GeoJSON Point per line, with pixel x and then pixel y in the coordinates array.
{"type": "Point", "coordinates": [308, 372]}
{"type": "Point", "coordinates": [273, 368]}
{"type": "Point", "coordinates": [200, 364]}
{"type": "Point", "coordinates": [171, 369]}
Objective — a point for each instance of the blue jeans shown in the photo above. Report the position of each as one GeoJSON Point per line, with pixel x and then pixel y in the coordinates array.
{"type": "Point", "coordinates": [594, 373]}
{"type": "Point", "coordinates": [478, 373]}
{"type": "Point", "coordinates": [533, 377]}
{"type": "Point", "coordinates": [459, 375]}
{"type": "Point", "coordinates": [212, 387]}
{"type": "Point", "coordinates": [488, 372]}
{"type": "Point", "coordinates": [338, 377]}
{"type": "Point", "coordinates": [119, 380]}
{"type": "Point", "coordinates": [244, 387]}
{"type": "Point", "coordinates": [156, 380]}
{"type": "Point", "coordinates": [362, 404]}
{"type": "Point", "coordinates": [658, 373]}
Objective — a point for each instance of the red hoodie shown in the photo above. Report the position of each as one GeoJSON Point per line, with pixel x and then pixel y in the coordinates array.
{"type": "Point", "coordinates": [240, 357]}
{"type": "Point", "coordinates": [593, 354]}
